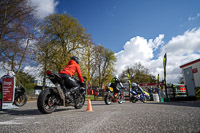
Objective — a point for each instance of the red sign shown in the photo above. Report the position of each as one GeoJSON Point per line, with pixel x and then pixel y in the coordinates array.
{"type": "Point", "coordinates": [8, 87]}
{"type": "Point", "coordinates": [194, 70]}
{"type": "Point", "coordinates": [148, 84]}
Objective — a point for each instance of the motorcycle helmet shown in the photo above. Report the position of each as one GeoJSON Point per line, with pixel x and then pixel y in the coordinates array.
{"type": "Point", "coordinates": [76, 59]}
{"type": "Point", "coordinates": [133, 84]}
{"type": "Point", "coordinates": [116, 76]}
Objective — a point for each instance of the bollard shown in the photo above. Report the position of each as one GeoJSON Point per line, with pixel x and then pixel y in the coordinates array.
{"type": "Point", "coordinates": [156, 97]}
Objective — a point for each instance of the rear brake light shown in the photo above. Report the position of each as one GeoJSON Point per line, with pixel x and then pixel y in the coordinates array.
{"type": "Point", "coordinates": [48, 72]}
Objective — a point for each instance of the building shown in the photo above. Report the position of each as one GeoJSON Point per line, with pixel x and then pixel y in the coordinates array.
{"type": "Point", "coordinates": [191, 76]}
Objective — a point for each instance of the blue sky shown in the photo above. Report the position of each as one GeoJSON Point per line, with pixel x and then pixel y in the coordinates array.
{"type": "Point", "coordinates": [113, 22]}
{"type": "Point", "coordinates": [142, 31]}
{"type": "Point", "coordinates": [137, 30]}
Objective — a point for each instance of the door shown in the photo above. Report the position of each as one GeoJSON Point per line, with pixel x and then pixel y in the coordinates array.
{"type": "Point", "coordinates": [189, 79]}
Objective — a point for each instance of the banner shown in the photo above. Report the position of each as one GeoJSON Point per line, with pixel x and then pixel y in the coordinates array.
{"type": "Point", "coordinates": [159, 82]}
{"type": "Point", "coordinates": [129, 79]}
{"type": "Point", "coordinates": [0, 96]}
{"type": "Point", "coordinates": [8, 89]}
{"type": "Point", "coordinates": [164, 65]}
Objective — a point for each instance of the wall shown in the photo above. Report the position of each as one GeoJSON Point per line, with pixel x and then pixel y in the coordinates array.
{"type": "Point", "coordinates": [195, 66]}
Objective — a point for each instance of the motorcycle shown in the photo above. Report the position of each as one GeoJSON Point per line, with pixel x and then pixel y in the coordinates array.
{"type": "Point", "coordinates": [20, 97]}
{"type": "Point", "coordinates": [112, 97]}
{"type": "Point", "coordinates": [143, 96]}
{"type": "Point", "coordinates": [60, 95]}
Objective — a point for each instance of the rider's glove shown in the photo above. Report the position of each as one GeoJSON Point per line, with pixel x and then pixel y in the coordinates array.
{"type": "Point", "coordinates": [82, 84]}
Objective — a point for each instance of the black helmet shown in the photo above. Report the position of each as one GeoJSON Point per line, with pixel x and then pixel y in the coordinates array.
{"type": "Point", "coordinates": [75, 59]}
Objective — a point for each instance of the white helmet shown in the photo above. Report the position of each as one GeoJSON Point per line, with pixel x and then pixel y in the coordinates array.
{"type": "Point", "coordinates": [11, 73]}
{"type": "Point", "coordinates": [133, 84]}
{"type": "Point", "coordinates": [116, 76]}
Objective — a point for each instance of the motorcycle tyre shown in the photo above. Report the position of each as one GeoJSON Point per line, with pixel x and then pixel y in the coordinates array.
{"type": "Point", "coordinates": [44, 95]}
{"type": "Point", "coordinates": [144, 100]}
{"type": "Point", "coordinates": [133, 101]}
{"type": "Point", "coordinates": [120, 100]}
{"type": "Point", "coordinates": [77, 106]}
{"type": "Point", "coordinates": [22, 102]}
{"type": "Point", "coordinates": [107, 99]}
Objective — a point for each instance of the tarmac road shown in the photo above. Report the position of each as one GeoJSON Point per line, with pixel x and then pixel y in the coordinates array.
{"type": "Point", "coordinates": [150, 117]}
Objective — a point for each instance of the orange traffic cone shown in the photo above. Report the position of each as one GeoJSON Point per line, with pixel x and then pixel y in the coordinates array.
{"type": "Point", "coordinates": [89, 106]}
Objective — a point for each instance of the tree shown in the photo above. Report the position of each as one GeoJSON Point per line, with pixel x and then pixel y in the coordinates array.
{"type": "Point", "coordinates": [16, 29]}
{"type": "Point", "coordinates": [62, 36]}
{"type": "Point", "coordinates": [138, 74]}
{"type": "Point", "coordinates": [13, 15]}
{"type": "Point", "coordinates": [88, 62]}
{"type": "Point", "coordinates": [25, 80]}
{"type": "Point", "coordinates": [105, 61]}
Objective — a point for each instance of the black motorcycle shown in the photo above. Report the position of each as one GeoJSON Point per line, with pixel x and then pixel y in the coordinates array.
{"type": "Point", "coordinates": [60, 95]}
{"type": "Point", "coordinates": [20, 96]}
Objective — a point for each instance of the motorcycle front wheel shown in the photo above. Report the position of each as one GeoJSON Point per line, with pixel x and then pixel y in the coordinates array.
{"type": "Point", "coordinates": [80, 102]}
{"type": "Point", "coordinates": [107, 99]}
{"type": "Point", "coordinates": [120, 100]}
{"type": "Point", "coordinates": [46, 102]}
{"type": "Point", "coordinates": [144, 100]}
{"type": "Point", "coordinates": [20, 100]}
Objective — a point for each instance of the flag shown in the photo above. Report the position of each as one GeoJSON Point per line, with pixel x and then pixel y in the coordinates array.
{"type": "Point", "coordinates": [159, 82]}
{"type": "Point", "coordinates": [164, 65]}
{"type": "Point", "coordinates": [129, 79]}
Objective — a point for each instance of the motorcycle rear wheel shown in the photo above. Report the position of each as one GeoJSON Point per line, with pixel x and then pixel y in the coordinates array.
{"type": "Point", "coordinates": [133, 99]}
{"type": "Point", "coordinates": [46, 102]}
{"type": "Point", "coordinates": [80, 102]}
{"type": "Point", "coordinates": [20, 100]}
{"type": "Point", "coordinates": [107, 99]}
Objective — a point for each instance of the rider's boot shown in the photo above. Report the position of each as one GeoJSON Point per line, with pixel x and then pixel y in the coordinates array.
{"type": "Point", "coordinates": [68, 95]}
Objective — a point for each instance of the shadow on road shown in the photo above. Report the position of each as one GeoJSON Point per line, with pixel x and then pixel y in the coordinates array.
{"type": "Point", "coordinates": [94, 104]}
{"type": "Point", "coordinates": [21, 112]}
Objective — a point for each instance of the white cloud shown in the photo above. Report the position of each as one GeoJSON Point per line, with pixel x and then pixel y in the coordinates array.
{"type": "Point", "coordinates": [193, 18]}
{"type": "Point", "coordinates": [34, 71]}
{"type": "Point", "coordinates": [137, 49]}
{"type": "Point", "coordinates": [44, 7]}
{"type": "Point", "coordinates": [180, 50]}
{"type": "Point", "coordinates": [3, 69]}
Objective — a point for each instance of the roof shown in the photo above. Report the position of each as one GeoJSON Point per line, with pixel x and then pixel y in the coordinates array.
{"type": "Point", "coordinates": [190, 63]}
